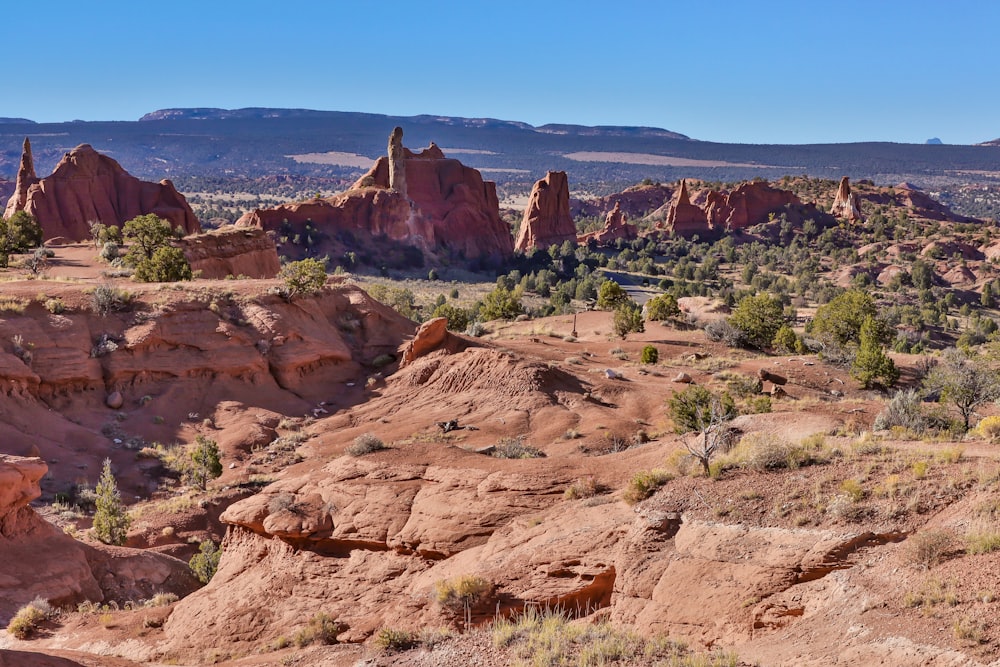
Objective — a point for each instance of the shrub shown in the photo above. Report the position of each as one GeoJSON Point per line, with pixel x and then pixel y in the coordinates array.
{"type": "Point", "coordinates": [902, 411]}
{"type": "Point", "coordinates": [610, 295]}
{"type": "Point", "coordinates": [161, 600]}
{"type": "Point", "coordinates": [839, 321]}
{"type": "Point", "coordinates": [644, 484]}
{"type": "Point", "coordinates": [302, 277]}
{"type": "Point", "coordinates": [662, 307]}
{"type": "Point", "coordinates": [515, 448]}
{"type": "Point", "coordinates": [758, 317]}
{"type": "Point", "coordinates": [109, 252]}
{"type": "Point", "coordinates": [365, 444]}
{"type": "Point", "coordinates": [627, 319]}
{"type": "Point", "coordinates": [390, 640]}
{"type": "Point", "coordinates": [584, 488]}
{"type": "Point", "coordinates": [457, 593]}
{"type": "Point", "coordinates": [205, 563]}
{"type": "Point", "coordinates": [650, 355]}
{"type": "Point", "coordinates": [929, 547]}
{"type": "Point", "coordinates": [501, 304]}
{"type": "Point", "coordinates": [322, 629]}
{"type": "Point", "coordinates": [721, 331]}
{"type": "Point", "coordinates": [691, 408]}
{"type": "Point", "coordinates": [107, 298]}
{"type": "Point", "coordinates": [785, 340]}
{"type": "Point", "coordinates": [145, 234]}
{"type": "Point", "coordinates": [872, 366]}
{"type": "Point", "coordinates": [27, 619]}
{"type": "Point", "coordinates": [206, 461]}
{"type": "Point", "coordinates": [458, 318]}
{"type": "Point", "coordinates": [55, 305]}
{"type": "Point", "coordinates": [988, 428]}
{"type": "Point", "coordinates": [167, 265]}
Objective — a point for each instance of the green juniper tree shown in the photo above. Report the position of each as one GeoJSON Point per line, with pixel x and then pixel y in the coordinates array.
{"type": "Point", "coordinates": [111, 521]}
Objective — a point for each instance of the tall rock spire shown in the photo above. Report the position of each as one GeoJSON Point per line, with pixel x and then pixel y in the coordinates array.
{"type": "Point", "coordinates": [397, 161]}
{"type": "Point", "coordinates": [25, 178]}
{"type": "Point", "coordinates": [846, 204]}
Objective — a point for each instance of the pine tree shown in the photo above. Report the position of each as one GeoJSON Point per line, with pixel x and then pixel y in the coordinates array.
{"type": "Point", "coordinates": [206, 461]}
{"type": "Point", "coordinates": [872, 365]}
{"type": "Point", "coordinates": [111, 521]}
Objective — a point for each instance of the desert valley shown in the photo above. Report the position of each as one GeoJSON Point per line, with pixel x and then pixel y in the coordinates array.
{"type": "Point", "coordinates": [392, 409]}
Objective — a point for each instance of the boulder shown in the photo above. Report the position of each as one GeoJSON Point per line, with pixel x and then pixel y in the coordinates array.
{"type": "Point", "coordinates": [89, 187]}
{"type": "Point", "coordinates": [768, 376]}
{"type": "Point", "coordinates": [232, 251]}
{"type": "Point", "coordinates": [547, 220]}
{"type": "Point", "coordinates": [115, 400]}
{"type": "Point", "coordinates": [846, 204]}
{"type": "Point", "coordinates": [430, 336]}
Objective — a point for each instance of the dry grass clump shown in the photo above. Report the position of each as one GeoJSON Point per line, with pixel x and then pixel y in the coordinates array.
{"type": "Point", "coordinates": [515, 448]}
{"type": "Point", "coordinates": [12, 304]}
{"type": "Point", "coordinates": [161, 600]}
{"type": "Point", "coordinates": [644, 484]}
{"type": "Point", "coordinates": [537, 637]}
{"type": "Point", "coordinates": [766, 451]}
{"type": "Point", "coordinates": [391, 640]}
{"type": "Point", "coordinates": [930, 547]}
{"type": "Point", "coordinates": [588, 487]}
{"type": "Point", "coordinates": [365, 444]}
{"type": "Point", "coordinates": [932, 593]}
{"type": "Point", "coordinates": [457, 593]}
{"type": "Point", "coordinates": [27, 619]}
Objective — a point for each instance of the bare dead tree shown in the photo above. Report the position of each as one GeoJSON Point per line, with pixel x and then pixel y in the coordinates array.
{"type": "Point", "coordinates": [713, 433]}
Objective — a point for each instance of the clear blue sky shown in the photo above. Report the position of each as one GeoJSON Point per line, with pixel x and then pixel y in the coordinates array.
{"type": "Point", "coordinates": [753, 72]}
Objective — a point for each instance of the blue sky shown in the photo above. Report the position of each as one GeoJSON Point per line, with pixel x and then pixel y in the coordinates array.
{"type": "Point", "coordinates": [750, 72]}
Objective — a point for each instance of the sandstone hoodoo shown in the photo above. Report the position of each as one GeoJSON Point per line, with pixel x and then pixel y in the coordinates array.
{"type": "Point", "coordinates": [547, 220]}
{"type": "Point", "coordinates": [89, 187]}
{"type": "Point", "coordinates": [233, 252]}
{"type": "Point", "coordinates": [683, 217]}
{"type": "Point", "coordinates": [406, 201]}
{"type": "Point", "coordinates": [846, 204]}
{"type": "Point", "coordinates": [616, 226]}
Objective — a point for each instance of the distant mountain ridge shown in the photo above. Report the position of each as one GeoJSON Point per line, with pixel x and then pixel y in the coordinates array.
{"type": "Point", "coordinates": [212, 113]}
{"type": "Point", "coordinates": [995, 142]}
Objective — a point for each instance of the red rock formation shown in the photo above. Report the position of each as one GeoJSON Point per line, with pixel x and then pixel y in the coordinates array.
{"type": "Point", "coordinates": [615, 227]}
{"type": "Point", "coordinates": [685, 218]}
{"type": "Point", "coordinates": [546, 219]}
{"type": "Point", "coordinates": [86, 187]}
{"type": "Point", "coordinates": [246, 251]}
{"type": "Point", "coordinates": [430, 336]}
{"type": "Point", "coordinates": [749, 204]}
{"type": "Point", "coordinates": [439, 205]}
{"type": "Point", "coordinates": [846, 204]}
